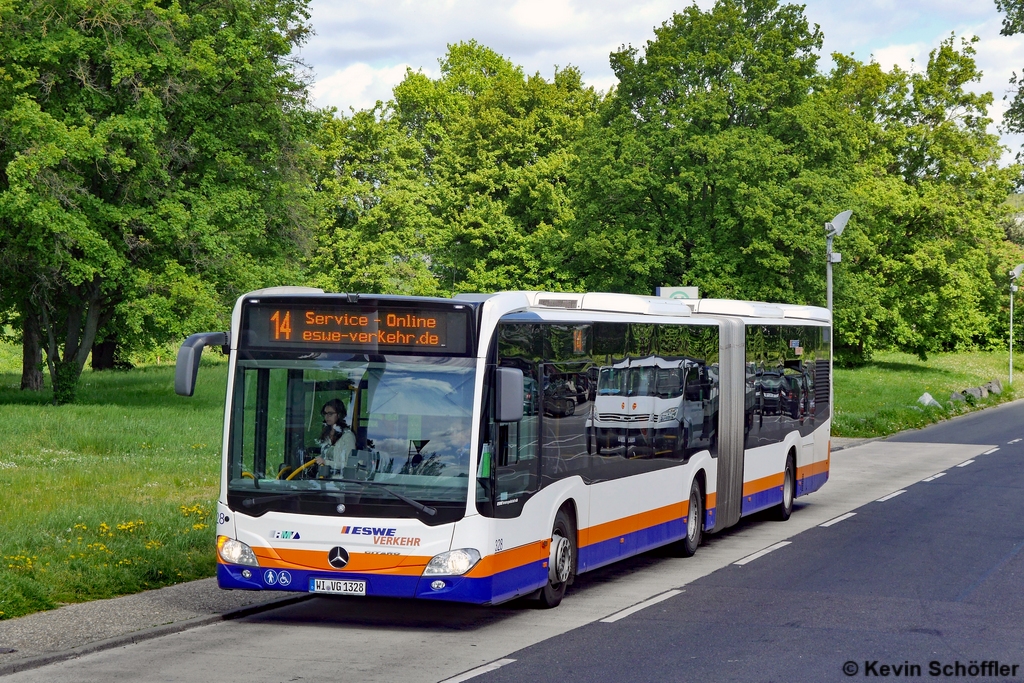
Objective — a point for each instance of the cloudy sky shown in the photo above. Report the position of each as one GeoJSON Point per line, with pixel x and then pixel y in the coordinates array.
{"type": "Point", "coordinates": [362, 47]}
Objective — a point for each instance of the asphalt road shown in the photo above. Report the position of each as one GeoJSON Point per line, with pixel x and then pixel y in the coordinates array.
{"type": "Point", "coordinates": [932, 574]}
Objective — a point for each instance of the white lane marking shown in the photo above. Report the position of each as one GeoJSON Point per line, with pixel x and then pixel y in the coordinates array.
{"type": "Point", "coordinates": [473, 673]}
{"type": "Point", "coordinates": [838, 519]}
{"type": "Point", "coordinates": [890, 496]}
{"type": "Point", "coordinates": [991, 451]}
{"type": "Point", "coordinates": [965, 464]}
{"type": "Point", "coordinates": [639, 606]}
{"type": "Point", "coordinates": [762, 553]}
{"type": "Point", "coordinates": [1014, 441]}
{"type": "Point", "coordinates": [935, 476]}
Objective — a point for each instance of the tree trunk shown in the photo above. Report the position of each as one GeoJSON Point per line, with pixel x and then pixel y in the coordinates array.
{"type": "Point", "coordinates": [103, 354]}
{"type": "Point", "coordinates": [31, 353]}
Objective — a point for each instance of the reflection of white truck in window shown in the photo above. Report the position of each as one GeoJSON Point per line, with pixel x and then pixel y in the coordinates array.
{"type": "Point", "coordinates": [651, 406]}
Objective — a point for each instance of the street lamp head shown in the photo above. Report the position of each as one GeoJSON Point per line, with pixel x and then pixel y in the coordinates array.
{"type": "Point", "coordinates": [838, 224]}
{"type": "Point", "coordinates": [1015, 273]}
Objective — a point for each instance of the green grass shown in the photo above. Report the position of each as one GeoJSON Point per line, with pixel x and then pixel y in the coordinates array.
{"type": "Point", "coordinates": [110, 496]}
{"type": "Point", "coordinates": [115, 494]}
{"type": "Point", "coordinates": [881, 397]}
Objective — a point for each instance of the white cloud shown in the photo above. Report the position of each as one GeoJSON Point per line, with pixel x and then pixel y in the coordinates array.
{"type": "Point", "coordinates": [913, 57]}
{"type": "Point", "coordinates": [362, 47]}
{"type": "Point", "coordinates": [357, 86]}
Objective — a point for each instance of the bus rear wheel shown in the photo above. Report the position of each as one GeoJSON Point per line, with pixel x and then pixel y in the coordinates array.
{"type": "Point", "coordinates": [561, 561]}
{"type": "Point", "coordinates": [785, 508]}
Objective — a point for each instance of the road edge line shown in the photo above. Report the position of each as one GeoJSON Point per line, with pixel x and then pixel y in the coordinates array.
{"type": "Point", "coordinates": [478, 671]}
{"type": "Point", "coordinates": [37, 661]}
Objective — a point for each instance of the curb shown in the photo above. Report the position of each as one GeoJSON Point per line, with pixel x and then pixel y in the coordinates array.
{"type": "Point", "coordinates": [37, 661]}
{"type": "Point", "coordinates": [927, 426]}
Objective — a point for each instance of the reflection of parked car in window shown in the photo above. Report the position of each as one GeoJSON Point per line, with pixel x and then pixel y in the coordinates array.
{"type": "Point", "coordinates": [768, 392]}
{"type": "Point", "coordinates": [559, 397]}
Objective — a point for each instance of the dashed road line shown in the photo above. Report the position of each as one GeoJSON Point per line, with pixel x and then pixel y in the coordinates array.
{"type": "Point", "coordinates": [1014, 441]}
{"type": "Point", "coordinates": [639, 606]}
{"type": "Point", "coordinates": [838, 519]}
{"type": "Point", "coordinates": [991, 451]}
{"type": "Point", "coordinates": [935, 476]}
{"type": "Point", "coordinates": [473, 673]}
{"type": "Point", "coordinates": [890, 496]}
{"type": "Point", "coordinates": [965, 464]}
{"type": "Point", "coordinates": [762, 553]}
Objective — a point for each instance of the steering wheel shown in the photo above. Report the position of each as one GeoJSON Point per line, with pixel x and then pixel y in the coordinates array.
{"type": "Point", "coordinates": [299, 469]}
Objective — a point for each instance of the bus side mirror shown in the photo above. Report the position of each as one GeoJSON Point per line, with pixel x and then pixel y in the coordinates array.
{"type": "Point", "coordinates": [509, 389]}
{"type": "Point", "coordinates": [187, 366]}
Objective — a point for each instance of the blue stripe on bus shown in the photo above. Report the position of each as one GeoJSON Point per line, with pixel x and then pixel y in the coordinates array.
{"type": "Point", "coordinates": [485, 590]}
{"type": "Point", "coordinates": [761, 500]}
{"type": "Point", "coordinates": [811, 483]}
{"type": "Point", "coordinates": [605, 552]}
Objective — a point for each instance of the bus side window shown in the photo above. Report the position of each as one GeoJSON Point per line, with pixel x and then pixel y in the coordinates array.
{"type": "Point", "coordinates": [513, 446]}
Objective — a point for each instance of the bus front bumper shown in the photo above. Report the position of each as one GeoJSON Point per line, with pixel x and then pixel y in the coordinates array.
{"type": "Point", "coordinates": [477, 590]}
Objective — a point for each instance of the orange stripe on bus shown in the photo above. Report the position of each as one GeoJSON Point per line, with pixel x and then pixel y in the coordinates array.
{"type": "Point", "coordinates": [763, 484]}
{"type": "Point", "coordinates": [292, 558]}
{"type": "Point", "coordinates": [711, 501]}
{"type": "Point", "coordinates": [812, 469]}
{"type": "Point", "coordinates": [627, 525]}
{"type": "Point", "coordinates": [510, 559]}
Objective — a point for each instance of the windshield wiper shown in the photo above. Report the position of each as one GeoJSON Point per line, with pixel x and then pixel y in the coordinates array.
{"type": "Point", "coordinates": [426, 509]}
{"type": "Point", "coordinates": [420, 507]}
{"type": "Point", "coordinates": [249, 502]}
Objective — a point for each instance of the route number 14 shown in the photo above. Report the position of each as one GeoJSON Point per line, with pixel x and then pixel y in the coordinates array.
{"type": "Point", "coordinates": [282, 326]}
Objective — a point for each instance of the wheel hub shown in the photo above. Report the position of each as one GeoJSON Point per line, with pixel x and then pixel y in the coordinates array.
{"type": "Point", "coordinates": [559, 559]}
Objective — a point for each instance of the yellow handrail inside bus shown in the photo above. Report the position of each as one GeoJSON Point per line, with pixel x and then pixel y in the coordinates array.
{"type": "Point", "coordinates": [299, 469]}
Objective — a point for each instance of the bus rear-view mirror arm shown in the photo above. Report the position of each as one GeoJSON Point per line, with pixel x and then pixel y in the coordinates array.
{"type": "Point", "coordinates": [187, 366]}
{"type": "Point", "coordinates": [509, 385]}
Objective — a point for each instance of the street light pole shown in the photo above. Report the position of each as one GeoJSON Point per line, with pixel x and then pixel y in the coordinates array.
{"type": "Point", "coordinates": [1014, 274]}
{"type": "Point", "coordinates": [833, 229]}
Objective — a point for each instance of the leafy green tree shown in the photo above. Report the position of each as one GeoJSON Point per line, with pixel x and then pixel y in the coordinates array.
{"type": "Point", "coordinates": [459, 184]}
{"type": "Point", "coordinates": [925, 259]}
{"type": "Point", "coordinates": [151, 161]}
{"type": "Point", "coordinates": [724, 149]}
{"type": "Point", "coordinates": [716, 161]}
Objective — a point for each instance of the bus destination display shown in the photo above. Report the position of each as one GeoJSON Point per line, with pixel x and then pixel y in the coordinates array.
{"type": "Point", "coordinates": [355, 327]}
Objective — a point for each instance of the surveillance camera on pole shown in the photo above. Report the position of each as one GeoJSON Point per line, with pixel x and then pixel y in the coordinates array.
{"type": "Point", "coordinates": [833, 229]}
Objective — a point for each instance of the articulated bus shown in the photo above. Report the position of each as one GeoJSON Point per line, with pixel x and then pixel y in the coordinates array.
{"type": "Point", "coordinates": [488, 447]}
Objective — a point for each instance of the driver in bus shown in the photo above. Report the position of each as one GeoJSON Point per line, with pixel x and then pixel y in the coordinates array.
{"type": "Point", "coordinates": [336, 440]}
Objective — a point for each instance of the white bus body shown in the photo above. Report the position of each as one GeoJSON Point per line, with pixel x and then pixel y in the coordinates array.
{"type": "Point", "coordinates": [490, 453]}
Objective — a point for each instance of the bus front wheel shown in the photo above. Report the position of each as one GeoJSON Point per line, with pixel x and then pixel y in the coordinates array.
{"type": "Point", "coordinates": [688, 544]}
{"type": "Point", "coordinates": [561, 560]}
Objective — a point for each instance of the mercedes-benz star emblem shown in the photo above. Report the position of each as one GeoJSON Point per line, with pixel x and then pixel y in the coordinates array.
{"type": "Point", "coordinates": [338, 557]}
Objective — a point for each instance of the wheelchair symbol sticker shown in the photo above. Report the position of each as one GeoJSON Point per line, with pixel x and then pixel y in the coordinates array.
{"type": "Point", "coordinates": [284, 579]}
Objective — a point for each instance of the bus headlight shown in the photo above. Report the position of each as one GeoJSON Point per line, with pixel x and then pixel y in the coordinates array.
{"type": "Point", "coordinates": [235, 552]}
{"type": "Point", "coordinates": [453, 563]}
{"type": "Point", "coordinates": [669, 414]}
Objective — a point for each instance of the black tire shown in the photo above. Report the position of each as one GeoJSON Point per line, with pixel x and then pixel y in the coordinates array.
{"type": "Point", "coordinates": [688, 544]}
{"type": "Point", "coordinates": [784, 509]}
{"type": "Point", "coordinates": [551, 594]}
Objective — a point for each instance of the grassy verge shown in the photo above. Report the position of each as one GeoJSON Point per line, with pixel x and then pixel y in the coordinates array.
{"type": "Point", "coordinates": [110, 496]}
{"type": "Point", "coordinates": [881, 397]}
{"type": "Point", "coordinates": [115, 494]}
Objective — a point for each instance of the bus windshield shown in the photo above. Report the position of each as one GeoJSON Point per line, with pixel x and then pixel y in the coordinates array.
{"type": "Point", "coordinates": [322, 437]}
